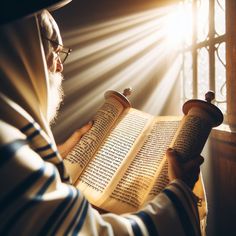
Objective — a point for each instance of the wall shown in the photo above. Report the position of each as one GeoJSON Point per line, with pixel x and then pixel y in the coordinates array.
{"type": "Point", "coordinates": [219, 172]}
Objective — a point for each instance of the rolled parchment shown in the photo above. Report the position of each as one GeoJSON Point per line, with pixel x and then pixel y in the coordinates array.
{"type": "Point", "coordinates": [200, 117]}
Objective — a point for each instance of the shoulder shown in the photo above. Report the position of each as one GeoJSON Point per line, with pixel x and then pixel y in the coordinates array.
{"type": "Point", "coordinates": [9, 133]}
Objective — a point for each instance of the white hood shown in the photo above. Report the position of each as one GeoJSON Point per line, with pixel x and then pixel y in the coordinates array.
{"type": "Point", "coordinates": [23, 71]}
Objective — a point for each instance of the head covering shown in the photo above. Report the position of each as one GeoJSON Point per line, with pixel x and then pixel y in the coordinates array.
{"type": "Point", "coordinates": [14, 9]}
{"type": "Point", "coordinates": [23, 70]}
{"type": "Point", "coordinates": [24, 81]}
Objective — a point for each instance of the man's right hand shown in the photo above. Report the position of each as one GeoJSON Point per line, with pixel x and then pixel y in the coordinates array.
{"type": "Point", "coordinates": [188, 171]}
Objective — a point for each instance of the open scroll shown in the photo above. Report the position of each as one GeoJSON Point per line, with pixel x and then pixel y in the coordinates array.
{"type": "Point", "coordinates": [120, 163]}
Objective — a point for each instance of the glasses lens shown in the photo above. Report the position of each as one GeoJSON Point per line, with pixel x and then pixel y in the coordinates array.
{"type": "Point", "coordinates": [64, 54]}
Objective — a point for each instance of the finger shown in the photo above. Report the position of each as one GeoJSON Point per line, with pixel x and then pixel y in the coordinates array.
{"type": "Point", "coordinates": [80, 132]}
{"type": "Point", "coordinates": [67, 146]}
{"type": "Point", "coordinates": [193, 163]}
{"type": "Point", "coordinates": [174, 166]}
{"type": "Point", "coordinates": [171, 155]}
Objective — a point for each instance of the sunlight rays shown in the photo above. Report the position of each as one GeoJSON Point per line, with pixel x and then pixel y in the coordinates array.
{"type": "Point", "coordinates": [132, 51]}
{"type": "Point", "coordinates": [164, 88]}
{"type": "Point", "coordinates": [114, 60]}
{"type": "Point", "coordinates": [179, 24]}
{"type": "Point", "coordinates": [131, 34]}
{"type": "Point", "coordinates": [100, 57]}
{"type": "Point", "coordinates": [108, 27]}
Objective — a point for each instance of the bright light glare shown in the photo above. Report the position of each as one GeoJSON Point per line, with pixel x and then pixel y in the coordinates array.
{"type": "Point", "coordinates": [125, 52]}
{"type": "Point", "coordinates": [178, 25]}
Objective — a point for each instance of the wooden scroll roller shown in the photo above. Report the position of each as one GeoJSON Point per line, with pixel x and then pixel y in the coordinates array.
{"type": "Point", "coordinates": [200, 117]}
{"type": "Point", "coordinates": [121, 97]}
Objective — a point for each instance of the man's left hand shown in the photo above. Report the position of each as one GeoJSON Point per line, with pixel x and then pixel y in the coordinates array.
{"type": "Point", "coordinates": [68, 145]}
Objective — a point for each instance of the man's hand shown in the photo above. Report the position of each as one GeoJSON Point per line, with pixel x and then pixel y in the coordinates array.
{"type": "Point", "coordinates": [67, 146]}
{"type": "Point", "coordinates": [188, 171]}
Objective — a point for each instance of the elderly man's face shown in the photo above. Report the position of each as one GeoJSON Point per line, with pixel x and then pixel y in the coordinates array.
{"type": "Point", "coordinates": [52, 42]}
{"type": "Point", "coordinates": [55, 68]}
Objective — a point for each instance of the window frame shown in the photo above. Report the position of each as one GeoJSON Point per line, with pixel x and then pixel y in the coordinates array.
{"type": "Point", "coordinates": [210, 44]}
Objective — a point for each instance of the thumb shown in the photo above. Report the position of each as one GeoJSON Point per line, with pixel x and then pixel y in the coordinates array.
{"type": "Point", "coordinates": [77, 135]}
{"type": "Point", "coordinates": [67, 146]}
{"type": "Point", "coordinates": [174, 167]}
{"type": "Point", "coordinates": [194, 163]}
{"type": "Point", "coordinates": [171, 155]}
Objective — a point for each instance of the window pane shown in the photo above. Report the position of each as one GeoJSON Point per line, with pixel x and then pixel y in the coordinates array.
{"type": "Point", "coordinates": [203, 73]}
{"type": "Point", "coordinates": [200, 16]}
{"type": "Point", "coordinates": [220, 17]}
{"type": "Point", "coordinates": [220, 80]}
{"type": "Point", "coordinates": [188, 76]}
{"type": "Point", "coordinates": [203, 23]}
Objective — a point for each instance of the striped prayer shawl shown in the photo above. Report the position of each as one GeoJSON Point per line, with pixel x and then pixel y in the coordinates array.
{"type": "Point", "coordinates": [34, 200]}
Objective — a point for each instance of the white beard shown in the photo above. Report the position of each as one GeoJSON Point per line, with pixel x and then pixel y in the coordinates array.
{"type": "Point", "coordinates": [55, 96]}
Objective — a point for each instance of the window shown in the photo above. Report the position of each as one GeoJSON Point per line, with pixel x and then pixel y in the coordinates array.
{"type": "Point", "coordinates": [204, 62]}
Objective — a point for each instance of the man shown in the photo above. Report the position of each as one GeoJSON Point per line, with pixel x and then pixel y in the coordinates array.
{"type": "Point", "coordinates": [36, 197]}
{"type": "Point", "coordinates": [55, 57]}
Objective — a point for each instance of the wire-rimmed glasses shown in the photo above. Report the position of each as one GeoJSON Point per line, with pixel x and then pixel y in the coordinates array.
{"type": "Point", "coordinates": [64, 51]}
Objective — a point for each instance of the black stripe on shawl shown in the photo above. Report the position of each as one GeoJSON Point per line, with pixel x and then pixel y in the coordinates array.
{"type": "Point", "coordinates": [147, 220]}
{"type": "Point", "coordinates": [194, 208]}
{"type": "Point", "coordinates": [47, 184]}
{"type": "Point", "coordinates": [37, 199]}
{"type": "Point", "coordinates": [7, 151]}
{"type": "Point", "coordinates": [27, 127]}
{"type": "Point", "coordinates": [61, 168]}
{"type": "Point", "coordinates": [63, 217]}
{"type": "Point", "coordinates": [44, 148]}
{"type": "Point", "coordinates": [21, 188]}
{"type": "Point", "coordinates": [183, 216]}
{"type": "Point", "coordinates": [34, 134]}
{"type": "Point", "coordinates": [57, 212]}
{"type": "Point", "coordinates": [49, 156]}
{"type": "Point", "coordinates": [135, 227]}
{"type": "Point", "coordinates": [81, 220]}
{"type": "Point", "coordinates": [75, 217]}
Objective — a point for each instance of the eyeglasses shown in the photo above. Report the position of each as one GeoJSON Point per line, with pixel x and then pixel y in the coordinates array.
{"type": "Point", "coordinates": [63, 53]}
